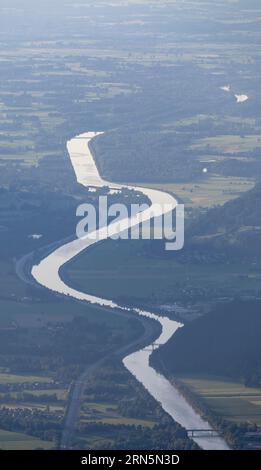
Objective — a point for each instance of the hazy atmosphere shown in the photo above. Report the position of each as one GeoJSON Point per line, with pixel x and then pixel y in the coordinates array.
{"type": "Point", "coordinates": [130, 226]}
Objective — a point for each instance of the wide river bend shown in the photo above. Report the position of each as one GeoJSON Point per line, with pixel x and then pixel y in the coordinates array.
{"type": "Point", "coordinates": [47, 274]}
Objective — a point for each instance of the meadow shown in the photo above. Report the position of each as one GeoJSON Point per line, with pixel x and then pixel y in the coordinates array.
{"type": "Point", "coordinates": [126, 270]}
{"type": "Point", "coordinates": [213, 190]}
{"type": "Point", "coordinates": [108, 413]}
{"type": "Point", "coordinates": [20, 441]}
{"type": "Point", "coordinates": [231, 400]}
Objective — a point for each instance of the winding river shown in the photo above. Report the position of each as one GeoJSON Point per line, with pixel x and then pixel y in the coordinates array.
{"type": "Point", "coordinates": [47, 273]}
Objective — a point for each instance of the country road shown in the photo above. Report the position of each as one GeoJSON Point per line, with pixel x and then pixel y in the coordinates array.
{"type": "Point", "coordinates": [150, 334]}
{"type": "Point", "coordinates": [152, 330]}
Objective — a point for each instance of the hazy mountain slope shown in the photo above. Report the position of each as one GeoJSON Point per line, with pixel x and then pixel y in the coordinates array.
{"type": "Point", "coordinates": [224, 342]}
{"type": "Point", "coordinates": [234, 228]}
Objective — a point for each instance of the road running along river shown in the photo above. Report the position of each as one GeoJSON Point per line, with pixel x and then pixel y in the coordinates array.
{"type": "Point", "coordinates": [47, 274]}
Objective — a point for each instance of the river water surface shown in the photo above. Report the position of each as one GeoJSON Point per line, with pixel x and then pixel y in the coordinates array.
{"type": "Point", "coordinates": [47, 273]}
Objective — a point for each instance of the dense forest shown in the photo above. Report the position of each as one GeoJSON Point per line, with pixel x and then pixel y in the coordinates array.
{"type": "Point", "coordinates": [233, 229]}
{"type": "Point", "coordinates": [225, 342]}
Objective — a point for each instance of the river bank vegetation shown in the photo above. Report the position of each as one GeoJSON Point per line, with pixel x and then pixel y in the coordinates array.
{"type": "Point", "coordinates": [220, 372]}
{"type": "Point", "coordinates": [117, 413]}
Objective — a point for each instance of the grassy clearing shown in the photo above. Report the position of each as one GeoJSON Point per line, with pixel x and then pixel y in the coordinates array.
{"type": "Point", "coordinates": [229, 399]}
{"type": "Point", "coordinates": [100, 407]}
{"type": "Point", "coordinates": [215, 190]}
{"type": "Point", "coordinates": [96, 442]}
{"type": "Point", "coordinates": [119, 269]}
{"type": "Point", "coordinates": [12, 378]}
{"type": "Point", "coordinates": [26, 314]}
{"type": "Point", "coordinates": [117, 421]}
{"type": "Point", "coordinates": [229, 143]}
{"type": "Point", "coordinates": [10, 283]}
{"type": "Point", "coordinates": [19, 441]}
{"type": "Point", "coordinates": [107, 413]}
{"type": "Point", "coordinates": [56, 409]}
{"type": "Point", "coordinates": [60, 393]}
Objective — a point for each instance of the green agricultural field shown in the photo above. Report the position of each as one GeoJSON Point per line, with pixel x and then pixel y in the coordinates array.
{"type": "Point", "coordinates": [60, 393]}
{"type": "Point", "coordinates": [229, 143]}
{"type": "Point", "coordinates": [116, 421]}
{"type": "Point", "coordinates": [107, 413]}
{"type": "Point", "coordinates": [228, 399]}
{"type": "Point", "coordinates": [55, 409]}
{"type": "Point", "coordinates": [114, 270]}
{"type": "Point", "coordinates": [96, 442]}
{"type": "Point", "coordinates": [215, 190]}
{"type": "Point", "coordinates": [29, 314]}
{"type": "Point", "coordinates": [19, 441]}
{"type": "Point", "coordinates": [12, 378]}
{"type": "Point", "coordinates": [10, 283]}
